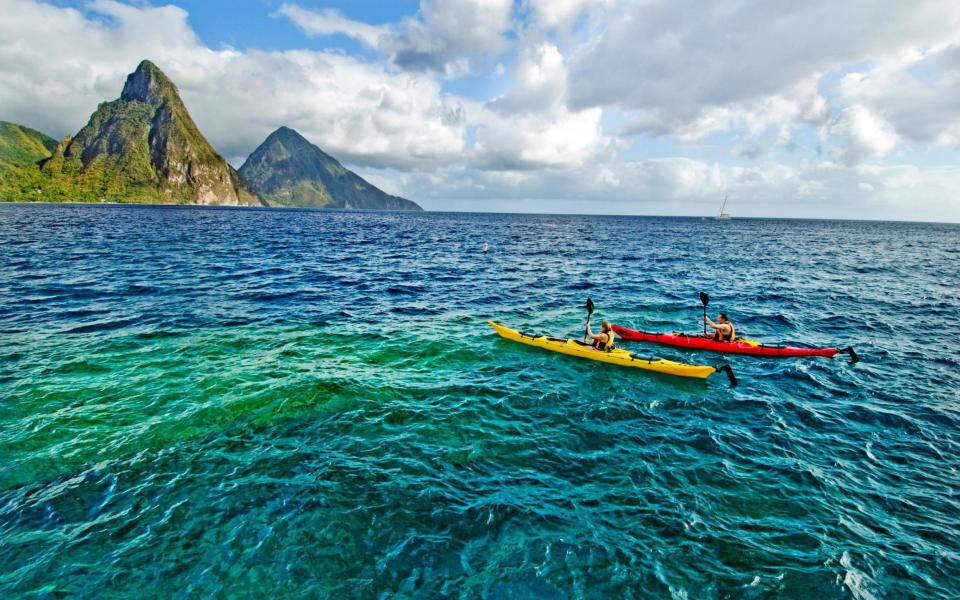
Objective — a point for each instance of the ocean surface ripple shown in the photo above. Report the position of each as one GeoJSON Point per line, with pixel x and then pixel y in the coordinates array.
{"type": "Point", "coordinates": [213, 402]}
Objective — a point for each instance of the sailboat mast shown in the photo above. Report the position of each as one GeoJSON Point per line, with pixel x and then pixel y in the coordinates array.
{"type": "Point", "coordinates": [723, 216]}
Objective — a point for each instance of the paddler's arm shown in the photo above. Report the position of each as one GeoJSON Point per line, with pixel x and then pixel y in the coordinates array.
{"type": "Point", "coordinates": [721, 327]}
{"type": "Point", "coordinates": [603, 337]}
{"type": "Point", "coordinates": [590, 334]}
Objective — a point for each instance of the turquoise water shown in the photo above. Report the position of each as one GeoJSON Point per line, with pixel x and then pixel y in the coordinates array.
{"type": "Point", "coordinates": [202, 402]}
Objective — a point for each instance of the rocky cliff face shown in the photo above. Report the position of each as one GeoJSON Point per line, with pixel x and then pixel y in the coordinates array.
{"type": "Point", "coordinates": [287, 170]}
{"type": "Point", "coordinates": [144, 147]}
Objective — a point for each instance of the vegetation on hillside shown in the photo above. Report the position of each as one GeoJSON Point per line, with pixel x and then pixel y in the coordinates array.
{"type": "Point", "coordinates": [287, 170]}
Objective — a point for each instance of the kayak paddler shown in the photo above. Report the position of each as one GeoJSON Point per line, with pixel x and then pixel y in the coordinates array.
{"type": "Point", "coordinates": [604, 340]}
{"type": "Point", "coordinates": [724, 331]}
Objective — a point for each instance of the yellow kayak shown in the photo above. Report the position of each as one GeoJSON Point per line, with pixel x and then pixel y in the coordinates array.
{"type": "Point", "coordinates": [617, 356]}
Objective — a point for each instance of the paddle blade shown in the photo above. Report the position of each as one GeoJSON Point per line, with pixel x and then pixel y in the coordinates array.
{"type": "Point", "coordinates": [589, 306]}
{"type": "Point", "coordinates": [726, 369]}
{"type": "Point", "coordinates": [705, 299]}
{"type": "Point", "coordinates": [853, 355]}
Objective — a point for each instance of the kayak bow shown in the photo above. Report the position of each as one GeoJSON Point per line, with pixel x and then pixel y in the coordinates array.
{"type": "Point", "coordinates": [739, 346]}
{"type": "Point", "coordinates": [617, 356]}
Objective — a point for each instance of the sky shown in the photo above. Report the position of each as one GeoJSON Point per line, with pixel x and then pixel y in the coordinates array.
{"type": "Point", "coordinates": [819, 109]}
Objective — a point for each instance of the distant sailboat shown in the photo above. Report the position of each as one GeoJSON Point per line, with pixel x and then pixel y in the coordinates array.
{"type": "Point", "coordinates": [724, 215]}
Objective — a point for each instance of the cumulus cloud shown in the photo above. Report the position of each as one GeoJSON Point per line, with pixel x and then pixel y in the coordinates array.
{"type": "Point", "coordinates": [537, 140]}
{"type": "Point", "coordinates": [445, 37]}
{"type": "Point", "coordinates": [357, 111]}
{"type": "Point", "coordinates": [691, 69]}
{"type": "Point", "coordinates": [916, 95]}
{"type": "Point", "coordinates": [531, 127]}
{"type": "Point", "coordinates": [539, 81]}
{"type": "Point", "coordinates": [801, 104]}
{"type": "Point", "coordinates": [862, 135]}
{"type": "Point", "coordinates": [448, 32]}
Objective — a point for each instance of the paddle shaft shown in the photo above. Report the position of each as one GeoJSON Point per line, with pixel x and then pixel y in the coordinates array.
{"type": "Point", "coordinates": [705, 299]}
{"type": "Point", "coordinates": [586, 329]}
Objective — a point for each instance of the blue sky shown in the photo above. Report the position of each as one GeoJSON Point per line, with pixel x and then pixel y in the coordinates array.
{"type": "Point", "coordinates": [602, 106]}
{"type": "Point", "coordinates": [250, 24]}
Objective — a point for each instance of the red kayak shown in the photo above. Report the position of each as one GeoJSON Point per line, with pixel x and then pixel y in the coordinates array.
{"type": "Point", "coordinates": [740, 346]}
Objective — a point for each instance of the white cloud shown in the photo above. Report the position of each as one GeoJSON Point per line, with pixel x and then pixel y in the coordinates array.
{"type": "Point", "coordinates": [563, 14]}
{"type": "Point", "coordinates": [916, 95]}
{"type": "Point", "coordinates": [329, 22]}
{"type": "Point", "coordinates": [446, 37]}
{"type": "Point", "coordinates": [530, 127]}
{"type": "Point", "coordinates": [539, 81]}
{"type": "Point", "coordinates": [530, 141]}
{"type": "Point", "coordinates": [354, 110]}
{"type": "Point", "coordinates": [681, 186]}
{"type": "Point", "coordinates": [690, 68]}
{"type": "Point", "coordinates": [862, 135]}
{"type": "Point", "coordinates": [451, 31]}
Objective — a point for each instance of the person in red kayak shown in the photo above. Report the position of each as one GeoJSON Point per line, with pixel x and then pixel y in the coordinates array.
{"type": "Point", "coordinates": [724, 331]}
{"type": "Point", "coordinates": [604, 339]}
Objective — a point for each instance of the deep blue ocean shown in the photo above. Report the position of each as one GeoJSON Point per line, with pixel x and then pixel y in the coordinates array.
{"type": "Point", "coordinates": [281, 403]}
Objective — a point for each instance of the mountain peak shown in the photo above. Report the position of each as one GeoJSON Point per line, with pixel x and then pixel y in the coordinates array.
{"type": "Point", "coordinates": [148, 84]}
{"type": "Point", "coordinates": [286, 136]}
{"type": "Point", "coordinates": [292, 142]}
{"type": "Point", "coordinates": [145, 147]}
{"type": "Point", "coordinates": [287, 170]}
{"type": "Point", "coordinates": [286, 131]}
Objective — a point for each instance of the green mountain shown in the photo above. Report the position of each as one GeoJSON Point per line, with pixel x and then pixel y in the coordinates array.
{"type": "Point", "coordinates": [287, 170]}
{"type": "Point", "coordinates": [20, 150]}
{"type": "Point", "coordinates": [23, 146]}
{"type": "Point", "coordinates": [142, 147]}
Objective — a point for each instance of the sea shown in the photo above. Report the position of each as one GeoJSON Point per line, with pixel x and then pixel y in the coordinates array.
{"type": "Point", "coordinates": [213, 402]}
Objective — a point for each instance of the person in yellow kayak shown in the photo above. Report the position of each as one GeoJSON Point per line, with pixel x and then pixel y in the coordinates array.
{"type": "Point", "coordinates": [724, 331]}
{"type": "Point", "coordinates": [604, 340]}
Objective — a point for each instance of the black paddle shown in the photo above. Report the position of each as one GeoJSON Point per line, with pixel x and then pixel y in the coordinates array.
{"type": "Point", "coordinates": [589, 312]}
{"type": "Point", "coordinates": [853, 355]}
{"type": "Point", "coordinates": [706, 300]}
{"type": "Point", "coordinates": [726, 369]}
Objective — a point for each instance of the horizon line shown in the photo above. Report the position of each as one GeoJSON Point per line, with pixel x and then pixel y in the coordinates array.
{"type": "Point", "coordinates": [464, 212]}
